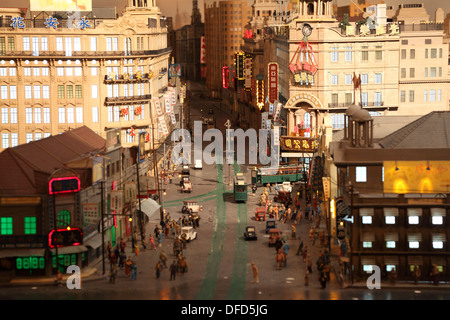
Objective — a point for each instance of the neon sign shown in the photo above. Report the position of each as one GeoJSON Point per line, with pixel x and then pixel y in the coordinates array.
{"type": "Point", "coordinates": [65, 237]}
{"type": "Point", "coordinates": [64, 185]}
{"type": "Point", "coordinates": [225, 77]}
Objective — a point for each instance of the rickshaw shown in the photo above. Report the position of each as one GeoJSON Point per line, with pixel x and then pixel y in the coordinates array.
{"type": "Point", "coordinates": [271, 224]}
{"type": "Point", "coordinates": [282, 196]}
{"type": "Point", "coordinates": [260, 214]}
{"type": "Point", "coordinates": [191, 206]}
{"type": "Point", "coordinates": [273, 236]}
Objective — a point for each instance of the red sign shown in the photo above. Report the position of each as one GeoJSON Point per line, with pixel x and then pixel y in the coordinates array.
{"type": "Point", "coordinates": [64, 185]}
{"type": "Point", "coordinates": [65, 237]}
{"type": "Point", "coordinates": [273, 81]}
{"type": "Point", "coordinates": [202, 50]}
{"type": "Point", "coordinates": [225, 77]}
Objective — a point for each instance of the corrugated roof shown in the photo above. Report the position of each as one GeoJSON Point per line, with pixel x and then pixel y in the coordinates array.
{"type": "Point", "coordinates": [429, 131]}
{"type": "Point", "coordinates": [23, 167]}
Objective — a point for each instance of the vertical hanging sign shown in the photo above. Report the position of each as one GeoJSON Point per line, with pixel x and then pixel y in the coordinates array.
{"type": "Point", "coordinates": [273, 81]}
{"type": "Point", "coordinates": [240, 67]}
{"type": "Point", "coordinates": [248, 74]}
{"type": "Point", "coordinates": [157, 107]}
{"type": "Point", "coordinates": [202, 50]}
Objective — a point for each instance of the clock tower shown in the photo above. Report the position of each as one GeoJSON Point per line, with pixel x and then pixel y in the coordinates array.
{"type": "Point", "coordinates": [315, 9]}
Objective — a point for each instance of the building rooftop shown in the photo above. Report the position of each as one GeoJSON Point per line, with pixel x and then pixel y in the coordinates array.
{"type": "Point", "coordinates": [429, 131]}
{"type": "Point", "coordinates": [25, 169]}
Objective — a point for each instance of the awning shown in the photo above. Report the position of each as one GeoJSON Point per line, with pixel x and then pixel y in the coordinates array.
{"type": "Point", "coordinates": [22, 252]}
{"type": "Point", "coordinates": [389, 212]}
{"type": "Point", "coordinates": [437, 212]}
{"type": "Point", "coordinates": [149, 206]}
{"type": "Point", "coordinates": [296, 155]}
{"type": "Point", "coordinates": [391, 236]}
{"type": "Point", "coordinates": [413, 212]}
{"type": "Point", "coordinates": [366, 212]}
{"type": "Point", "coordinates": [94, 242]}
{"type": "Point", "coordinates": [70, 249]}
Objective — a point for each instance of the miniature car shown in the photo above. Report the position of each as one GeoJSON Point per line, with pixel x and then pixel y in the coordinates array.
{"type": "Point", "coordinates": [185, 170]}
{"type": "Point", "coordinates": [186, 186]}
{"type": "Point", "coordinates": [250, 233]}
{"type": "Point", "coordinates": [188, 234]}
{"type": "Point", "coordinates": [274, 235]}
{"type": "Point", "coordinates": [191, 206]}
{"type": "Point", "coordinates": [270, 224]}
{"type": "Point", "coordinates": [260, 214]}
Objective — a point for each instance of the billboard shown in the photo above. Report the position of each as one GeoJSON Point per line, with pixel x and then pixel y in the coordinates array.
{"type": "Point", "coordinates": [416, 176]}
{"type": "Point", "coordinates": [60, 5]}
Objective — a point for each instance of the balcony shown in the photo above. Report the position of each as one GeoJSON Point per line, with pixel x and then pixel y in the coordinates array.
{"type": "Point", "coordinates": [125, 78]}
{"type": "Point", "coordinates": [85, 54]}
{"type": "Point", "coordinates": [123, 101]}
{"type": "Point", "coordinates": [346, 105]}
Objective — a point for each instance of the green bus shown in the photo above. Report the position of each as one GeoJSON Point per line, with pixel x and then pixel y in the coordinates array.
{"type": "Point", "coordinates": [240, 188]}
{"type": "Point", "coordinates": [263, 176]}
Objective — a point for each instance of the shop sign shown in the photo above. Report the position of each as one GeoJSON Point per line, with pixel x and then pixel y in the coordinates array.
{"type": "Point", "coordinates": [298, 144]}
{"type": "Point", "coordinates": [273, 81]}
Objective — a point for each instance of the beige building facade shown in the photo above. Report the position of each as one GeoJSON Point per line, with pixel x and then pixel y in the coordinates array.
{"type": "Point", "coordinates": [102, 73]}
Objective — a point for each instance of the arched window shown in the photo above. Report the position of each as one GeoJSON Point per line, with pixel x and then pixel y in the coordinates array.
{"type": "Point", "coordinates": [310, 9]}
{"type": "Point", "coordinates": [63, 219]}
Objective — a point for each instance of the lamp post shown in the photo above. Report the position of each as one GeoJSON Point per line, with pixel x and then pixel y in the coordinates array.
{"type": "Point", "coordinates": [351, 190]}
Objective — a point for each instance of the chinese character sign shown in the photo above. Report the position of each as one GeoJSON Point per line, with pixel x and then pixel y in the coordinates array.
{"type": "Point", "coordinates": [273, 81]}
{"type": "Point", "coordinates": [248, 74]}
{"type": "Point", "coordinates": [298, 144]}
{"type": "Point", "coordinates": [240, 68]}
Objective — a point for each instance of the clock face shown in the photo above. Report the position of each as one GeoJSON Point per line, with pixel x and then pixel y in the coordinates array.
{"type": "Point", "coordinates": [307, 29]}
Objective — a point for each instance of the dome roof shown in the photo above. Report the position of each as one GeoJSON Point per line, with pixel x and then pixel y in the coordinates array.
{"type": "Point", "coordinates": [362, 115]}
{"type": "Point", "coordinates": [352, 109]}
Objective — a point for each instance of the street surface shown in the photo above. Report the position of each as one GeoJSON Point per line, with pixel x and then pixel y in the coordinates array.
{"type": "Point", "coordinates": [219, 260]}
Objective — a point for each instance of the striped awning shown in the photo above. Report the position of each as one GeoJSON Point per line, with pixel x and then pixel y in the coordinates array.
{"type": "Point", "coordinates": [366, 212]}
{"type": "Point", "coordinates": [389, 212]}
{"type": "Point", "coordinates": [414, 212]}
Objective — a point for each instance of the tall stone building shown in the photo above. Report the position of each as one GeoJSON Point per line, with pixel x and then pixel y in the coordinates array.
{"type": "Point", "coordinates": [59, 73]}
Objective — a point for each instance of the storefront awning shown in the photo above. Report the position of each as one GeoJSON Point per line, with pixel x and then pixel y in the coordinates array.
{"type": "Point", "coordinates": [94, 242]}
{"type": "Point", "coordinates": [149, 207]}
{"type": "Point", "coordinates": [70, 249]}
{"type": "Point", "coordinates": [22, 252]}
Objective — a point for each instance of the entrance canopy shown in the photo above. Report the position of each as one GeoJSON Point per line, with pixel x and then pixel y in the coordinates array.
{"type": "Point", "coordinates": [149, 206]}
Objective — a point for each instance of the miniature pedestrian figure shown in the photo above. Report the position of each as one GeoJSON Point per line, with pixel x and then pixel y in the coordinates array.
{"type": "Point", "coordinates": [254, 188]}
{"type": "Point", "coordinates": [173, 270]}
{"type": "Point", "coordinates": [170, 178]}
{"type": "Point", "coordinates": [306, 277]}
{"type": "Point", "coordinates": [255, 273]}
{"type": "Point", "coordinates": [160, 240]}
{"type": "Point", "coordinates": [393, 276]}
{"type": "Point", "coordinates": [122, 260]}
{"type": "Point", "coordinates": [435, 275]}
{"type": "Point", "coordinates": [112, 275]}
{"type": "Point", "coordinates": [152, 242]}
{"type": "Point", "coordinates": [158, 269]}
{"type": "Point", "coordinates": [322, 280]}
{"type": "Point", "coordinates": [416, 274]}
{"type": "Point", "coordinates": [123, 244]}
{"type": "Point", "coordinates": [286, 248]}
{"type": "Point", "coordinates": [280, 259]}
{"type": "Point", "coordinates": [309, 264]}
{"type": "Point", "coordinates": [59, 279]}
{"type": "Point", "coordinates": [163, 258]}
{"type": "Point", "coordinates": [300, 247]}
{"type": "Point", "coordinates": [270, 187]}
{"type": "Point", "coordinates": [133, 270]}
{"type": "Point", "coordinates": [305, 252]}
{"type": "Point", "coordinates": [128, 265]}
{"type": "Point", "coordinates": [117, 253]}
{"type": "Point", "coordinates": [294, 232]}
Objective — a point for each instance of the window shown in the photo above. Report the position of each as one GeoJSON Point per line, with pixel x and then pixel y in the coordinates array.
{"type": "Point", "coordinates": [390, 244]}
{"type": "Point", "coordinates": [28, 115]}
{"type": "Point", "coordinates": [412, 53]}
{"type": "Point", "coordinates": [367, 244]}
{"type": "Point", "coordinates": [348, 53]}
{"type": "Point", "coordinates": [4, 92]}
{"type": "Point", "coordinates": [403, 72]}
{"type": "Point", "coordinates": [361, 174]}
{"type": "Point", "coordinates": [334, 54]}
{"type": "Point", "coordinates": [348, 79]}
{"type": "Point", "coordinates": [364, 78]}
{"type": "Point", "coordinates": [95, 114]}
{"type": "Point", "coordinates": [411, 95]}
{"type": "Point", "coordinates": [30, 225]}
{"type": "Point", "coordinates": [13, 112]}
{"type": "Point", "coordinates": [14, 140]}
{"type": "Point", "coordinates": [93, 44]}
{"type": "Point", "coordinates": [432, 95]}
{"type": "Point", "coordinates": [26, 43]}
{"type": "Point", "coordinates": [78, 92]}
{"type": "Point", "coordinates": [61, 92]}
{"type": "Point", "coordinates": [45, 92]}
{"type": "Point", "coordinates": [37, 115]}
{"type": "Point", "coordinates": [425, 95]}
{"type": "Point", "coordinates": [69, 92]}
{"type": "Point", "coordinates": [6, 226]}
{"type": "Point", "coordinates": [63, 219]}
{"type": "Point", "coordinates": [378, 53]}
{"type": "Point", "coordinates": [5, 140]}
{"type": "Point", "coordinates": [59, 44]}
{"type": "Point", "coordinates": [389, 219]}
{"type": "Point", "coordinates": [403, 53]}
{"type": "Point", "coordinates": [5, 115]}
{"type": "Point", "coordinates": [377, 99]}
{"type": "Point", "coordinates": [334, 79]}
{"type": "Point", "coordinates": [29, 137]}
{"type": "Point", "coordinates": [366, 220]}
{"type": "Point", "coordinates": [364, 54]}
{"type": "Point", "coordinates": [413, 219]}
{"type": "Point", "coordinates": [412, 72]}
{"type": "Point", "coordinates": [110, 114]}
{"type": "Point", "coordinates": [402, 96]}
{"type": "Point", "coordinates": [377, 78]}
{"type": "Point", "coordinates": [433, 72]}
{"type": "Point", "coordinates": [46, 115]}
{"type": "Point", "coordinates": [425, 73]}
{"type": "Point", "coordinates": [433, 53]}
{"type": "Point", "coordinates": [70, 115]}
{"type": "Point", "coordinates": [37, 92]}
{"type": "Point", "coordinates": [61, 115]}
{"type": "Point", "coordinates": [413, 244]}
{"type": "Point", "coordinates": [79, 114]}
{"type": "Point", "coordinates": [364, 99]}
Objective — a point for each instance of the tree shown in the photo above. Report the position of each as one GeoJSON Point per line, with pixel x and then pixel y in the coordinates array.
{"type": "Point", "coordinates": [344, 22]}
